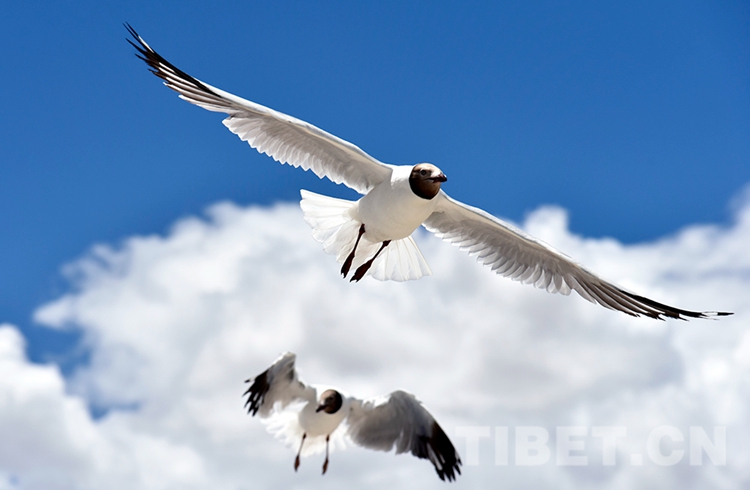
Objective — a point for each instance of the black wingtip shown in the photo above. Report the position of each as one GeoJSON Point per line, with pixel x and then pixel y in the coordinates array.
{"type": "Point", "coordinates": [256, 393]}
{"type": "Point", "coordinates": [665, 311]}
{"type": "Point", "coordinates": [158, 63]}
{"type": "Point", "coordinates": [130, 29]}
{"type": "Point", "coordinates": [440, 451]}
{"type": "Point", "coordinates": [137, 38]}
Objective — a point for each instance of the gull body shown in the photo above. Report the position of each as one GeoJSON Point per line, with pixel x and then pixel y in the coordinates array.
{"type": "Point", "coordinates": [309, 416]}
{"type": "Point", "coordinates": [315, 421]}
{"type": "Point", "coordinates": [373, 235]}
{"type": "Point", "coordinates": [391, 210]}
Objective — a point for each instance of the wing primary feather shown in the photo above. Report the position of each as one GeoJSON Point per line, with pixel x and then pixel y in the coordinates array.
{"type": "Point", "coordinates": [608, 301]}
{"type": "Point", "coordinates": [673, 312]}
{"type": "Point", "coordinates": [625, 301]}
{"type": "Point", "coordinates": [157, 62]}
{"type": "Point", "coordinates": [440, 451]}
{"type": "Point", "coordinates": [256, 393]}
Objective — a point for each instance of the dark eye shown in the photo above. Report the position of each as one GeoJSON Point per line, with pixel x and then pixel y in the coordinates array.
{"type": "Point", "coordinates": [423, 172]}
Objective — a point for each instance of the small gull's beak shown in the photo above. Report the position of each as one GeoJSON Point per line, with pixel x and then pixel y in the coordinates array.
{"type": "Point", "coordinates": [439, 178]}
{"type": "Point", "coordinates": [320, 407]}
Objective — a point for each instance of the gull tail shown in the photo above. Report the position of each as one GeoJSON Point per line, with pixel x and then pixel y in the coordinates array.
{"type": "Point", "coordinates": [334, 225]}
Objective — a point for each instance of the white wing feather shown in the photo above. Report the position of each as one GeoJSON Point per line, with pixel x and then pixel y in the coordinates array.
{"type": "Point", "coordinates": [512, 253]}
{"type": "Point", "coordinates": [284, 138]}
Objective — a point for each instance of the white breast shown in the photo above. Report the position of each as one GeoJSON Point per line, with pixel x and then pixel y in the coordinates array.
{"type": "Point", "coordinates": [391, 211]}
{"type": "Point", "coordinates": [321, 423]}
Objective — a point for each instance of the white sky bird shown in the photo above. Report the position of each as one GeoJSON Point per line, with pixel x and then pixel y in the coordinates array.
{"type": "Point", "coordinates": [373, 234]}
{"type": "Point", "coordinates": [308, 416]}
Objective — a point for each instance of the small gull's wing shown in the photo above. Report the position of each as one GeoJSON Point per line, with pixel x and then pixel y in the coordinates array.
{"type": "Point", "coordinates": [276, 387]}
{"type": "Point", "coordinates": [283, 138]}
{"type": "Point", "coordinates": [521, 257]}
{"type": "Point", "coordinates": [400, 420]}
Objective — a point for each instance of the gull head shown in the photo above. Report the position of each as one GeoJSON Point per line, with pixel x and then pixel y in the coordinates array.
{"type": "Point", "coordinates": [330, 402]}
{"type": "Point", "coordinates": [425, 180]}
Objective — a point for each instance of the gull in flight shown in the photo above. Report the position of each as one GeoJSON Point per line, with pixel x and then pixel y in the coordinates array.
{"type": "Point", "coordinates": [309, 416]}
{"type": "Point", "coordinates": [373, 235]}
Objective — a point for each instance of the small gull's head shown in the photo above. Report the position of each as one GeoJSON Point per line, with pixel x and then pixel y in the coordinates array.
{"type": "Point", "coordinates": [330, 401]}
{"type": "Point", "coordinates": [425, 180]}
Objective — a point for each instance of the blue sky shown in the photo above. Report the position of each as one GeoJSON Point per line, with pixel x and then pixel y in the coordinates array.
{"type": "Point", "coordinates": [634, 116]}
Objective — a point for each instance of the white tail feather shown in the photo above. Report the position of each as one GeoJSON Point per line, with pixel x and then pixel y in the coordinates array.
{"type": "Point", "coordinates": [334, 225]}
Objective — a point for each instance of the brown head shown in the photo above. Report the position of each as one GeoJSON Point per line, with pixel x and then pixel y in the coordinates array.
{"type": "Point", "coordinates": [425, 180]}
{"type": "Point", "coordinates": [330, 401]}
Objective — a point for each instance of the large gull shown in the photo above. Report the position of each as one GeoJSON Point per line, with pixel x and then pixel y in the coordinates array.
{"type": "Point", "coordinates": [373, 235]}
{"type": "Point", "coordinates": [308, 416]}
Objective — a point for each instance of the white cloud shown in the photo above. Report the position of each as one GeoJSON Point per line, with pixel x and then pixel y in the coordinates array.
{"type": "Point", "coordinates": [176, 323]}
{"type": "Point", "coordinates": [49, 440]}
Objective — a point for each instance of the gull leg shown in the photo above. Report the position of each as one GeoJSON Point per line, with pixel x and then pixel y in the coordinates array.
{"type": "Point", "coordinates": [325, 463]}
{"type": "Point", "coordinates": [296, 460]}
{"type": "Point", "coordinates": [360, 273]}
{"type": "Point", "coordinates": [348, 262]}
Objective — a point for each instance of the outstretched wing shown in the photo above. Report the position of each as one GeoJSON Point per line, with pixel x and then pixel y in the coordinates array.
{"type": "Point", "coordinates": [400, 420]}
{"type": "Point", "coordinates": [514, 254]}
{"type": "Point", "coordinates": [277, 386]}
{"type": "Point", "coordinates": [283, 138]}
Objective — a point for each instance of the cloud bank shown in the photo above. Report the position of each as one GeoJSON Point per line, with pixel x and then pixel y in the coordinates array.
{"type": "Point", "coordinates": [175, 323]}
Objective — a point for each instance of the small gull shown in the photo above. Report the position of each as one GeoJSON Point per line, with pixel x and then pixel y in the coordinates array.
{"type": "Point", "coordinates": [309, 416]}
{"type": "Point", "coordinates": [373, 235]}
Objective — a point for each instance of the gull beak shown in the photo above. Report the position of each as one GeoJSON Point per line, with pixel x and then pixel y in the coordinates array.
{"type": "Point", "coordinates": [439, 178]}
{"type": "Point", "coordinates": [320, 407]}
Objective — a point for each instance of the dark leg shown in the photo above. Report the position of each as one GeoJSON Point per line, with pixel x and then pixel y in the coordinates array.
{"type": "Point", "coordinates": [325, 463]}
{"type": "Point", "coordinates": [360, 273]}
{"type": "Point", "coordinates": [348, 262]}
{"type": "Point", "coordinates": [296, 460]}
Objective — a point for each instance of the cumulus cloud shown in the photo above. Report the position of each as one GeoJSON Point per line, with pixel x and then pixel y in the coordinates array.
{"type": "Point", "coordinates": [49, 440]}
{"type": "Point", "coordinates": [175, 323]}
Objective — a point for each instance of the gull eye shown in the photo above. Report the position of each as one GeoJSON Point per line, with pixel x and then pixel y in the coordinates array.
{"type": "Point", "coordinates": [423, 172]}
